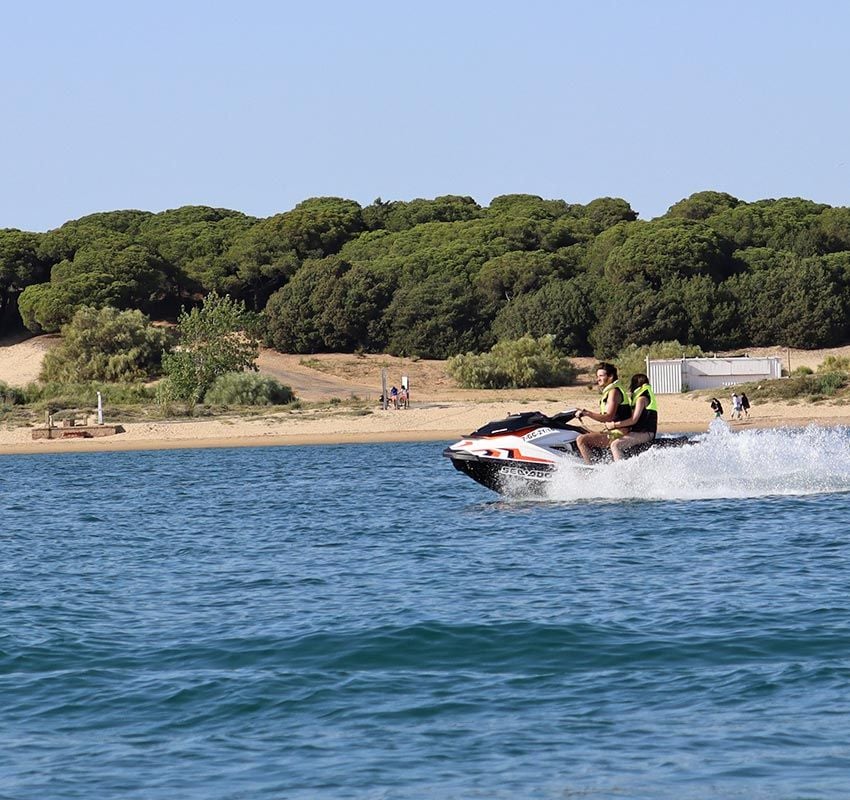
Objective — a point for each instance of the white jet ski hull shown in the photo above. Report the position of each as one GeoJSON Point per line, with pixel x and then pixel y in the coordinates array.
{"type": "Point", "coordinates": [521, 453]}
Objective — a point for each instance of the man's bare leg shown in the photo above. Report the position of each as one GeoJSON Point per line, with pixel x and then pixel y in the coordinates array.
{"type": "Point", "coordinates": [586, 441]}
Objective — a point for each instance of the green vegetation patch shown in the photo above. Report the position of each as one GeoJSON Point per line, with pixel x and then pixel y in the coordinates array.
{"type": "Point", "coordinates": [799, 387]}
{"type": "Point", "coordinates": [247, 389]}
{"type": "Point", "coordinates": [213, 340]}
{"type": "Point", "coordinates": [106, 345]}
{"type": "Point", "coordinates": [517, 364]}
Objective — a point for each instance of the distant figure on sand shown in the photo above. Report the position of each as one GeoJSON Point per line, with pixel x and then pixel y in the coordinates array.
{"type": "Point", "coordinates": [716, 408]}
{"type": "Point", "coordinates": [737, 409]}
{"type": "Point", "coordinates": [394, 397]}
{"type": "Point", "coordinates": [745, 404]}
{"type": "Point", "coordinates": [404, 398]}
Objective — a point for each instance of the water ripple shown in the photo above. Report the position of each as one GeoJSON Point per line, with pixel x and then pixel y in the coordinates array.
{"type": "Point", "coordinates": [287, 622]}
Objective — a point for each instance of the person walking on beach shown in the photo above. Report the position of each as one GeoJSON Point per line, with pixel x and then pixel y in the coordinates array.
{"type": "Point", "coordinates": [745, 405]}
{"type": "Point", "coordinates": [642, 426]}
{"type": "Point", "coordinates": [716, 408]}
{"type": "Point", "coordinates": [736, 406]}
{"type": "Point", "coordinates": [614, 406]}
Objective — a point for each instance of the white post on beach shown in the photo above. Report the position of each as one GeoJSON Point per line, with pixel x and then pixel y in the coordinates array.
{"type": "Point", "coordinates": [99, 409]}
{"type": "Point", "coordinates": [384, 399]}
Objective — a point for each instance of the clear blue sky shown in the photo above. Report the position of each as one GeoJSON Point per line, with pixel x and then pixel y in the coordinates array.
{"type": "Point", "coordinates": [258, 105]}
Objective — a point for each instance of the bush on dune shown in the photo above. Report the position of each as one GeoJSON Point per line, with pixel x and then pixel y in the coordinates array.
{"type": "Point", "coordinates": [11, 395]}
{"type": "Point", "coordinates": [831, 378]}
{"type": "Point", "coordinates": [247, 389]}
{"type": "Point", "coordinates": [835, 364]}
{"type": "Point", "coordinates": [516, 364]}
{"type": "Point", "coordinates": [106, 345]}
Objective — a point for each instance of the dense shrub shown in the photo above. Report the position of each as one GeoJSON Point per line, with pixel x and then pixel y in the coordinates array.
{"type": "Point", "coordinates": [106, 345]}
{"type": "Point", "coordinates": [247, 389]}
{"type": "Point", "coordinates": [828, 383]}
{"type": "Point", "coordinates": [10, 395]}
{"type": "Point", "coordinates": [520, 363]}
{"type": "Point", "coordinates": [801, 305]}
{"type": "Point", "coordinates": [835, 364]}
{"type": "Point", "coordinates": [560, 308]}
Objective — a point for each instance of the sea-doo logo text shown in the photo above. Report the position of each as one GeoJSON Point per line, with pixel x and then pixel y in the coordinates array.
{"type": "Point", "coordinates": [524, 472]}
{"type": "Point", "coordinates": [536, 434]}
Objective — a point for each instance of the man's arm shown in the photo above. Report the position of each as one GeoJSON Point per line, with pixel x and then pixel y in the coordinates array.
{"type": "Point", "coordinates": [615, 397]}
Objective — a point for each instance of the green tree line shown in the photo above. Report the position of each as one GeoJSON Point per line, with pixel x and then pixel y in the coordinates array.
{"type": "Point", "coordinates": [439, 277]}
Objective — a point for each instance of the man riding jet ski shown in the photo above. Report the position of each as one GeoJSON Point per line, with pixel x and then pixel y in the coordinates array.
{"type": "Point", "coordinates": [630, 419]}
{"type": "Point", "coordinates": [615, 407]}
{"type": "Point", "coordinates": [524, 450]}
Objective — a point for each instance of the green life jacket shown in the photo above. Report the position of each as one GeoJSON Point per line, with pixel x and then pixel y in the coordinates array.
{"type": "Point", "coordinates": [624, 410]}
{"type": "Point", "coordinates": [648, 420]}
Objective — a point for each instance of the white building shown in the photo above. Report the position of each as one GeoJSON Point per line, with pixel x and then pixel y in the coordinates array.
{"type": "Point", "coordinates": [674, 375]}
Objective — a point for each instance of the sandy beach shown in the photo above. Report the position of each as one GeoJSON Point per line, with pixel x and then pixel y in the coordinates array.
{"type": "Point", "coordinates": [439, 410]}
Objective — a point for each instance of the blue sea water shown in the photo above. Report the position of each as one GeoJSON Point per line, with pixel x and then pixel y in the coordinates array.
{"type": "Point", "coordinates": [362, 621]}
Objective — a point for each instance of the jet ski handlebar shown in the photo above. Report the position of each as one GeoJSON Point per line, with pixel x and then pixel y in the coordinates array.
{"type": "Point", "coordinates": [567, 415]}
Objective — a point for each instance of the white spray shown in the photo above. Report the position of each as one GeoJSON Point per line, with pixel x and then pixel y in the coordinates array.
{"type": "Point", "coordinates": [723, 464]}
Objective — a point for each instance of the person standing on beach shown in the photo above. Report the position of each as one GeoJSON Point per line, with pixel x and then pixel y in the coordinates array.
{"type": "Point", "coordinates": [613, 407]}
{"type": "Point", "coordinates": [716, 408]}
{"type": "Point", "coordinates": [745, 405]}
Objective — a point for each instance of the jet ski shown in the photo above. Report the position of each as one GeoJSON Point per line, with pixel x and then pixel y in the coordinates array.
{"type": "Point", "coordinates": [522, 452]}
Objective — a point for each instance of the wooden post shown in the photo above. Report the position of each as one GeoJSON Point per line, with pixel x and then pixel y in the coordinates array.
{"type": "Point", "coordinates": [384, 398]}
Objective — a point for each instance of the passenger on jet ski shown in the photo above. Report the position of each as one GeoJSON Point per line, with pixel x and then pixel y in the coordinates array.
{"type": "Point", "coordinates": [643, 422]}
{"type": "Point", "coordinates": [614, 406]}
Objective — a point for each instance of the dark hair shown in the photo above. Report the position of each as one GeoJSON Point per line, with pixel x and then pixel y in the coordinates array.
{"type": "Point", "coordinates": [638, 380]}
{"type": "Point", "coordinates": [608, 369]}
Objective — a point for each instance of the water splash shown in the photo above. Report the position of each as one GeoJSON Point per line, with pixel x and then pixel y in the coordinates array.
{"type": "Point", "coordinates": [720, 464]}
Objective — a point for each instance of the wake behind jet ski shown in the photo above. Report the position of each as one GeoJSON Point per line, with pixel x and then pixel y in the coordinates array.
{"type": "Point", "coordinates": [523, 451]}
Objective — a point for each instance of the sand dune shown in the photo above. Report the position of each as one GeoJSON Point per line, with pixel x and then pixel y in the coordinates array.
{"type": "Point", "coordinates": [20, 362]}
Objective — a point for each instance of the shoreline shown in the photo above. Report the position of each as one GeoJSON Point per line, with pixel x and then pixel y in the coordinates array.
{"type": "Point", "coordinates": [112, 444]}
{"type": "Point", "coordinates": [386, 428]}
